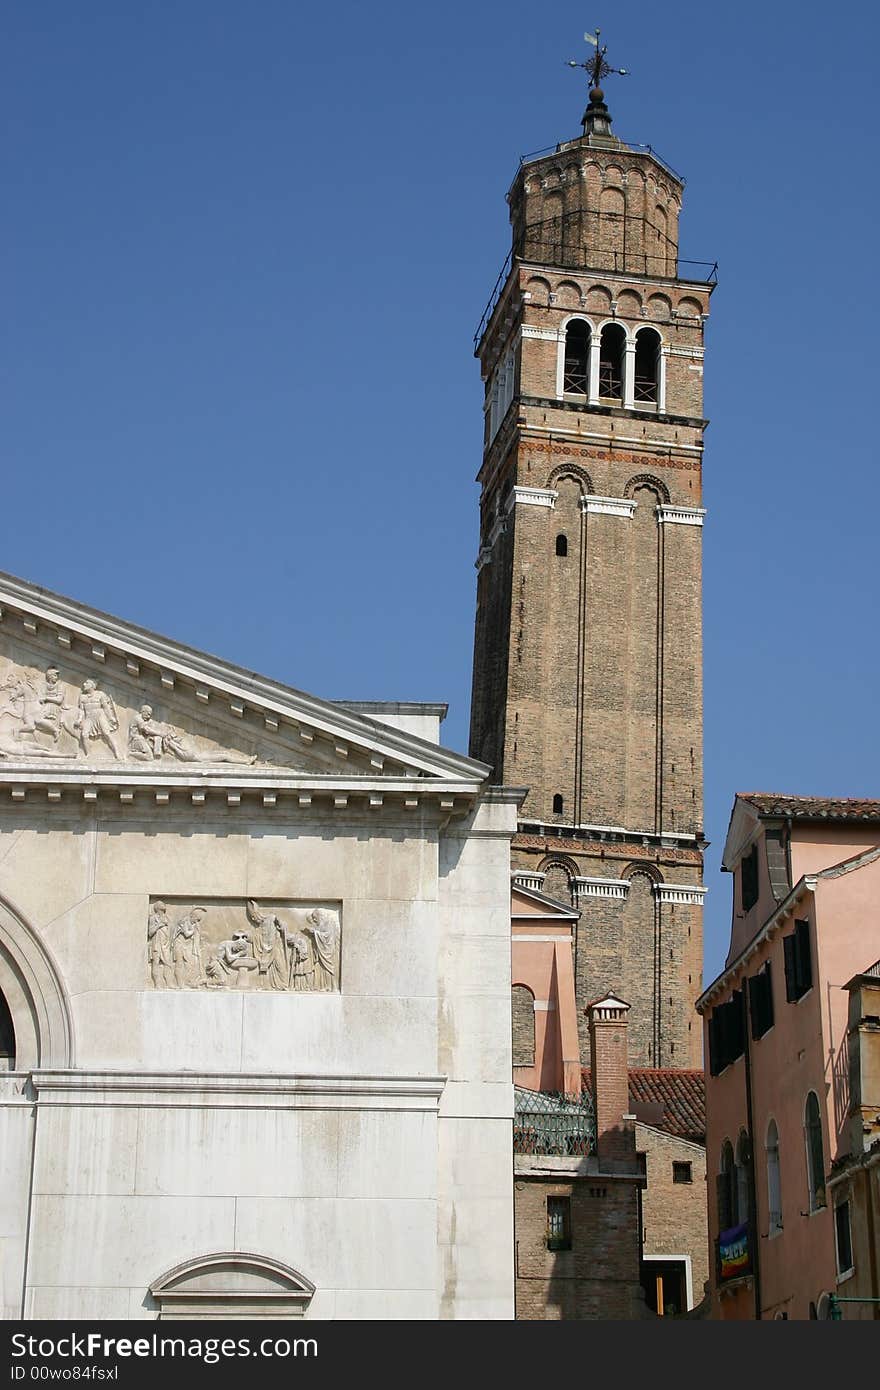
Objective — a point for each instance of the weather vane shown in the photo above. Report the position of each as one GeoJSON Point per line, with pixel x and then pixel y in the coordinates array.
{"type": "Point", "coordinates": [596, 120]}
{"type": "Point", "coordinates": [597, 67]}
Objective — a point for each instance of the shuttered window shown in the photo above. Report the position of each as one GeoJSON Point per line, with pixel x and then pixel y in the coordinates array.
{"type": "Point", "coordinates": [798, 962]}
{"type": "Point", "coordinates": [726, 1033]}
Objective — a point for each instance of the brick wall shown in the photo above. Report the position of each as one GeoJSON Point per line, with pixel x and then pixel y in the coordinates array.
{"type": "Point", "coordinates": [674, 1215]}
{"type": "Point", "coordinates": [599, 1276]}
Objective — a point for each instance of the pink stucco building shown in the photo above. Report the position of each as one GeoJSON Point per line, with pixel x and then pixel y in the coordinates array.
{"type": "Point", "coordinates": [806, 920]}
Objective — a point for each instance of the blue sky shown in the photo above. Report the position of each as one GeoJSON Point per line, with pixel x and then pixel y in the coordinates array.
{"type": "Point", "coordinates": [245, 248]}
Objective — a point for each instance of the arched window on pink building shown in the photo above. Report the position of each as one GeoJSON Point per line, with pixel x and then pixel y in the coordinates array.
{"type": "Point", "coordinates": [774, 1184]}
{"type": "Point", "coordinates": [815, 1153]}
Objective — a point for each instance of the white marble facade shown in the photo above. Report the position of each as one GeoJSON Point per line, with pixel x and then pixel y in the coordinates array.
{"type": "Point", "coordinates": [255, 948]}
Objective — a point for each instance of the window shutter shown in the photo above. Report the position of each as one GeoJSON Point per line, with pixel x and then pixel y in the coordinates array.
{"type": "Point", "coordinates": [714, 1047]}
{"type": "Point", "coordinates": [802, 956]}
{"type": "Point", "coordinates": [788, 946]}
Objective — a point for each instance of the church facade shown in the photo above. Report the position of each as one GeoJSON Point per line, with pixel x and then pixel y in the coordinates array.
{"type": "Point", "coordinates": [587, 684]}
{"type": "Point", "coordinates": [255, 975]}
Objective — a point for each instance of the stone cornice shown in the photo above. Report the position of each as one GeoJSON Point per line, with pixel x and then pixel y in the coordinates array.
{"type": "Point", "coordinates": [532, 497]}
{"type": "Point", "coordinates": [683, 894]}
{"type": "Point", "coordinates": [53, 786]}
{"type": "Point", "coordinates": [601, 887]}
{"type": "Point", "coordinates": [608, 506]}
{"type": "Point", "coordinates": [236, 1090]}
{"type": "Point", "coordinates": [681, 516]}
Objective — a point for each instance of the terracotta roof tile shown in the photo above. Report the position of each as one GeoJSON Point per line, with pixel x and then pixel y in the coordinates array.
{"type": "Point", "coordinates": [667, 1098]}
{"type": "Point", "coordinates": [812, 807]}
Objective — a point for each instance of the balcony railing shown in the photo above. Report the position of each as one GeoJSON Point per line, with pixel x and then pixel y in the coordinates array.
{"type": "Point", "coordinates": [546, 1122]}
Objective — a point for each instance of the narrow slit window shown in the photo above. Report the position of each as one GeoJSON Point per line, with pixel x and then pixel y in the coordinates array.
{"type": "Point", "coordinates": [561, 545]}
{"type": "Point", "coordinates": [558, 804]}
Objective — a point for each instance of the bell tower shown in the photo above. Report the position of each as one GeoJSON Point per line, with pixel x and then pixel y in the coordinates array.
{"type": "Point", "coordinates": [587, 684]}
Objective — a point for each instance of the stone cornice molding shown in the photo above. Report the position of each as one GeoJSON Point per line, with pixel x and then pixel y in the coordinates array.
{"type": "Point", "coordinates": [551, 335]}
{"type": "Point", "coordinates": [532, 497]}
{"type": "Point", "coordinates": [237, 1090]}
{"type": "Point", "coordinates": [680, 893]}
{"type": "Point", "coordinates": [601, 887]}
{"type": "Point", "coordinates": [681, 516]}
{"type": "Point", "coordinates": [141, 790]}
{"type": "Point", "coordinates": [608, 506]}
{"type": "Point", "coordinates": [523, 878]}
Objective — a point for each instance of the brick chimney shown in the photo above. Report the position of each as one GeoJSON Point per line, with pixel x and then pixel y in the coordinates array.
{"type": "Point", "coordinates": [615, 1137]}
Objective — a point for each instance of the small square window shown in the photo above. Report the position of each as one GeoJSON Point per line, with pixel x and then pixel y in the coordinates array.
{"type": "Point", "coordinates": [558, 1223]}
{"type": "Point", "coordinates": [682, 1172]}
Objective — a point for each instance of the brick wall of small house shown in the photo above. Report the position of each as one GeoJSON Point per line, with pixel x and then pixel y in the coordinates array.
{"type": "Point", "coordinates": [599, 1277]}
{"type": "Point", "coordinates": [674, 1215]}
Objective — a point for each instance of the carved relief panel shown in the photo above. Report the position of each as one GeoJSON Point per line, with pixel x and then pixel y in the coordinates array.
{"type": "Point", "coordinates": [240, 944]}
{"type": "Point", "coordinates": [51, 714]}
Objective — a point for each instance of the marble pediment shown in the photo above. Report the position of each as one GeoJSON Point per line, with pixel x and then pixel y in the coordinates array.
{"type": "Point", "coordinates": [84, 694]}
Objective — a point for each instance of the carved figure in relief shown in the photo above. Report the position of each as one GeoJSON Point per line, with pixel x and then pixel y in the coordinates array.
{"type": "Point", "coordinates": [30, 711]}
{"type": "Point", "coordinates": [302, 965]}
{"type": "Point", "coordinates": [323, 928]}
{"type": "Point", "coordinates": [186, 950]}
{"type": "Point", "coordinates": [148, 739]}
{"type": "Point", "coordinates": [270, 947]}
{"type": "Point", "coordinates": [232, 956]}
{"type": "Point", "coordinates": [159, 946]}
{"type": "Point", "coordinates": [96, 718]}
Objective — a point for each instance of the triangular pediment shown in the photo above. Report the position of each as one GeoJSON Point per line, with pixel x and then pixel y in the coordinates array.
{"type": "Point", "coordinates": [85, 694]}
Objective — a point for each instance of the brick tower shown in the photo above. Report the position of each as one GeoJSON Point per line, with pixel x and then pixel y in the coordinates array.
{"type": "Point", "coordinates": [587, 682]}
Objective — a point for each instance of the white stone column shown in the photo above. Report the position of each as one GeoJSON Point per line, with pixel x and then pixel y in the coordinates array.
{"type": "Point", "coordinates": [595, 351]}
{"type": "Point", "coordinates": [629, 374]}
{"type": "Point", "coordinates": [661, 382]}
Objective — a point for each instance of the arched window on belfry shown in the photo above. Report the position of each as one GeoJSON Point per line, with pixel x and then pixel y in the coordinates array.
{"type": "Point", "coordinates": [561, 544]}
{"type": "Point", "coordinates": [576, 367]}
{"type": "Point", "coordinates": [646, 390]}
{"type": "Point", "coordinates": [612, 349]}
{"type": "Point", "coordinates": [558, 804]}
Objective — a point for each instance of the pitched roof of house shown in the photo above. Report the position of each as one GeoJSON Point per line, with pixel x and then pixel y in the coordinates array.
{"type": "Point", "coordinates": [667, 1098]}
{"type": "Point", "coordinates": [812, 807]}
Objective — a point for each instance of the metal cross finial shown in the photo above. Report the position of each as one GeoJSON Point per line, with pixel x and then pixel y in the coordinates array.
{"type": "Point", "coordinates": [597, 67]}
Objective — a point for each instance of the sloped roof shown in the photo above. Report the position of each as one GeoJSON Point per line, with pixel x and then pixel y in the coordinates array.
{"type": "Point", "coordinates": [667, 1098]}
{"type": "Point", "coordinates": [812, 807]}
